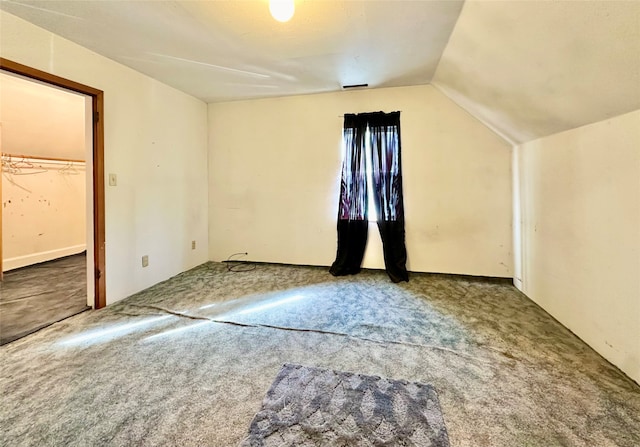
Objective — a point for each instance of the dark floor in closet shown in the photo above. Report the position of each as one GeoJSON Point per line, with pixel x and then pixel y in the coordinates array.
{"type": "Point", "coordinates": [39, 295]}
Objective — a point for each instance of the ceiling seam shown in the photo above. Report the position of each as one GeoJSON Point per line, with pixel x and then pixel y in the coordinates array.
{"type": "Point", "coordinates": [484, 123]}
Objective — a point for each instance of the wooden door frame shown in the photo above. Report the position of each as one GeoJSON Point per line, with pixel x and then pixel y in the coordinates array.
{"type": "Point", "coordinates": [97, 101]}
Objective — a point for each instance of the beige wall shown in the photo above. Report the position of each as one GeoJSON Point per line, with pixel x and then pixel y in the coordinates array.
{"type": "Point", "coordinates": [274, 167]}
{"type": "Point", "coordinates": [43, 214]}
{"type": "Point", "coordinates": [155, 141]}
{"type": "Point", "coordinates": [579, 233]}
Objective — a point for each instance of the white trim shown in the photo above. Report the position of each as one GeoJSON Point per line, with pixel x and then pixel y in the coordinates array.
{"type": "Point", "coordinates": [35, 258]}
{"type": "Point", "coordinates": [518, 284]}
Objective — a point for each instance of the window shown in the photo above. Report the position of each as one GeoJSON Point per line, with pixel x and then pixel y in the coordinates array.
{"type": "Point", "coordinates": [372, 214]}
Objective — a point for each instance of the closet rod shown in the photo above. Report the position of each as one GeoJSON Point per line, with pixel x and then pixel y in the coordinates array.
{"type": "Point", "coordinates": [35, 157]}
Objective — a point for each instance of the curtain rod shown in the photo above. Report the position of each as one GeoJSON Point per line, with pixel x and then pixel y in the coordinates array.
{"type": "Point", "coordinates": [35, 157]}
{"type": "Point", "coordinates": [342, 116]}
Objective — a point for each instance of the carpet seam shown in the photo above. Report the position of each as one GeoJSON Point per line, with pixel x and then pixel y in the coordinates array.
{"type": "Point", "coordinates": [302, 330]}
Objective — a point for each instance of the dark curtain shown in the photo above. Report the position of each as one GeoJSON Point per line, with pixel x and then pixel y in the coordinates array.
{"type": "Point", "coordinates": [352, 212]}
{"type": "Point", "coordinates": [384, 134]}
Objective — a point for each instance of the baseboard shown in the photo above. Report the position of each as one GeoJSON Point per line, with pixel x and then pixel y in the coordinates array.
{"type": "Point", "coordinates": [36, 258]}
{"type": "Point", "coordinates": [518, 283]}
{"type": "Point", "coordinates": [468, 277]}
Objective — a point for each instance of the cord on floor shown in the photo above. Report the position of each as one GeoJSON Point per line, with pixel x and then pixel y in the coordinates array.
{"type": "Point", "coordinates": [238, 265]}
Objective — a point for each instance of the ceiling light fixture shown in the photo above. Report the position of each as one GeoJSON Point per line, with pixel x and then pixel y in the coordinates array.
{"type": "Point", "coordinates": [282, 10]}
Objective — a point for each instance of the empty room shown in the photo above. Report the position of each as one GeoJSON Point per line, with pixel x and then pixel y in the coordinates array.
{"type": "Point", "coordinates": [322, 223]}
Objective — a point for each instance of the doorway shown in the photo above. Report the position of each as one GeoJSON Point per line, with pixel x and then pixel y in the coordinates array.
{"type": "Point", "coordinates": [95, 230]}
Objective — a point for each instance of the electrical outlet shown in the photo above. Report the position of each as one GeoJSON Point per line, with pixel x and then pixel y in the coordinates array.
{"type": "Point", "coordinates": [113, 180]}
{"type": "Point", "coordinates": [145, 261]}
{"type": "Point", "coordinates": [193, 245]}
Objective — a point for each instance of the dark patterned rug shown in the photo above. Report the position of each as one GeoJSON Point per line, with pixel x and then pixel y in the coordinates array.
{"type": "Point", "coordinates": [308, 407]}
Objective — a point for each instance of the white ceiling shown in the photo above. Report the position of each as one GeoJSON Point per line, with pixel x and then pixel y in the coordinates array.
{"type": "Point", "coordinates": [527, 69]}
{"type": "Point", "coordinates": [228, 50]}
{"type": "Point", "coordinates": [41, 121]}
{"type": "Point", "coordinates": [534, 68]}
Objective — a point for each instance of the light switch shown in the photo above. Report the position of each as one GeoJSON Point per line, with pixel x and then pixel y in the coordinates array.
{"type": "Point", "coordinates": [113, 180]}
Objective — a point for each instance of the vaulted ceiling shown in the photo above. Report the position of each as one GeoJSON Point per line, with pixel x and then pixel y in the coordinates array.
{"type": "Point", "coordinates": [526, 69]}
{"type": "Point", "coordinates": [534, 68]}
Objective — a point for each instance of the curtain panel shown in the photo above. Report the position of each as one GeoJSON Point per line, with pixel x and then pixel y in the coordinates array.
{"type": "Point", "coordinates": [352, 212]}
{"type": "Point", "coordinates": [386, 175]}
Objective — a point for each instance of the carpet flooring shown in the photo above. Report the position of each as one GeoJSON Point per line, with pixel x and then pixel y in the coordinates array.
{"type": "Point", "coordinates": [36, 296]}
{"type": "Point", "coordinates": [187, 362]}
{"type": "Point", "coordinates": [310, 407]}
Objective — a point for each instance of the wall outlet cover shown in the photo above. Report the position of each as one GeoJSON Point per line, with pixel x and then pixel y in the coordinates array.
{"type": "Point", "coordinates": [145, 261]}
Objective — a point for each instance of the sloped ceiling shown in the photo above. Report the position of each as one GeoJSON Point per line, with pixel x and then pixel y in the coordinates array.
{"type": "Point", "coordinates": [526, 69]}
{"type": "Point", "coordinates": [529, 69]}
{"type": "Point", "coordinates": [41, 121]}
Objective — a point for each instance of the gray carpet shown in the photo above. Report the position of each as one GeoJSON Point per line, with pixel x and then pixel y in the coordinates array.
{"type": "Point", "coordinates": [315, 407]}
{"type": "Point", "coordinates": [36, 296]}
{"type": "Point", "coordinates": [188, 361]}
